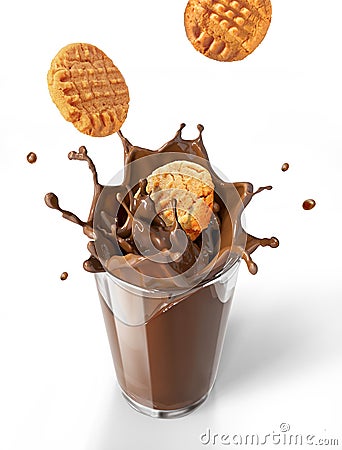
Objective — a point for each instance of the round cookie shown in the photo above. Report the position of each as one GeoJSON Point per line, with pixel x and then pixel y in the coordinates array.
{"type": "Point", "coordinates": [191, 186]}
{"type": "Point", "coordinates": [88, 89]}
{"type": "Point", "coordinates": [227, 30]}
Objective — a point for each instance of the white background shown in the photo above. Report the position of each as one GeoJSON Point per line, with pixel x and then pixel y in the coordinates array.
{"type": "Point", "coordinates": [282, 357]}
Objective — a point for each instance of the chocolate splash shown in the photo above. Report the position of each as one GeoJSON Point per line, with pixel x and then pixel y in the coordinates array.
{"type": "Point", "coordinates": [31, 158]}
{"type": "Point", "coordinates": [64, 276]}
{"type": "Point", "coordinates": [123, 221]}
{"type": "Point", "coordinates": [51, 199]}
{"type": "Point", "coordinates": [285, 167]}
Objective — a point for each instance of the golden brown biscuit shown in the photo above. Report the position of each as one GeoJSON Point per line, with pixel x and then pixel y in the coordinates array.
{"type": "Point", "coordinates": [88, 89]}
{"type": "Point", "coordinates": [192, 187]}
{"type": "Point", "coordinates": [227, 30]}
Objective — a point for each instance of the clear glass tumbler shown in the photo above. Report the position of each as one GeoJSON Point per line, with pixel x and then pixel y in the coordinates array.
{"type": "Point", "coordinates": [166, 347]}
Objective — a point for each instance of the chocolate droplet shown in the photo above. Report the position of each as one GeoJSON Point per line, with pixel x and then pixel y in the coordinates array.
{"type": "Point", "coordinates": [285, 167]}
{"type": "Point", "coordinates": [31, 158]}
{"type": "Point", "coordinates": [216, 207]}
{"type": "Point", "coordinates": [64, 276]}
{"type": "Point", "coordinates": [51, 200]}
{"type": "Point", "coordinates": [309, 204]}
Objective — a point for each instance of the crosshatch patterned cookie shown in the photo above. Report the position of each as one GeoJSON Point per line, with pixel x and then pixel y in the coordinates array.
{"type": "Point", "coordinates": [88, 89]}
{"type": "Point", "coordinates": [227, 30]}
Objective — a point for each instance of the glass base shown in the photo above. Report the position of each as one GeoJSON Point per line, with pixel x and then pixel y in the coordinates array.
{"type": "Point", "coordinates": [163, 414]}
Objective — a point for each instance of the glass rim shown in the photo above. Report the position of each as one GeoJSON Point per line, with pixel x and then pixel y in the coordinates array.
{"type": "Point", "coordinates": [174, 291]}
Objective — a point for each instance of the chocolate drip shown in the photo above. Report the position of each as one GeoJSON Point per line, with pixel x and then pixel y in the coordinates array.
{"type": "Point", "coordinates": [93, 265]}
{"type": "Point", "coordinates": [31, 158]}
{"type": "Point", "coordinates": [132, 241]}
{"type": "Point", "coordinates": [264, 188]}
{"type": "Point", "coordinates": [52, 202]}
{"type": "Point", "coordinates": [82, 155]}
{"type": "Point", "coordinates": [252, 244]}
{"type": "Point", "coordinates": [309, 204]}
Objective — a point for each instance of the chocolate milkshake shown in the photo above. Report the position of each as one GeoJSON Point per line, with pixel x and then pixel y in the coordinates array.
{"type": "Point", "coordinates": [165, 293]}
{"type": "Point", "coordinates": [166, 363]}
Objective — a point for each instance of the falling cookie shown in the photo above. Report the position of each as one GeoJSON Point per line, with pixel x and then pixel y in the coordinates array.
{"type": "Point", "coordinates": [191, 186]}
{"type": "Point", "coordinates": [227, 30]}
{"type": "Point", "coordinates": [88, 89]}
